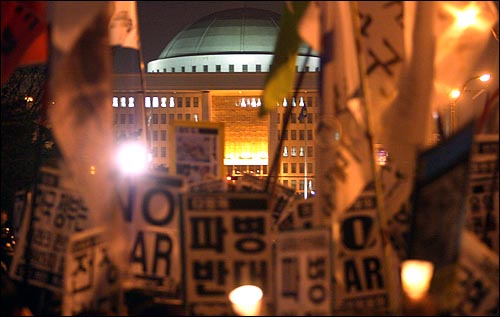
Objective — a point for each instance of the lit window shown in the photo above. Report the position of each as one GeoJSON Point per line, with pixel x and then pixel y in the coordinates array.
{"type": "Point", "coordinates": [147, 102]}
{"type": "Point", "coordinates": [115, 102]}
{"type": "Point", "coordinates": [294, 151]}
{"type": "Point", "coordinates": [155, 102]}
{"type": "Point", "coordinates": [123, 102]}
{"type": "Point", "coordinates": [171, 102]}
{"type": "Point", "coordinates": [301, 151]}
{"type": "Point", "coordinates": [285, 151]}
{"type": "Point", "coordinates": [163, 102]}
{"type": "Point", "coordinates": [195, 117]}
{"type": "Point", "coordinates": [131, 102]}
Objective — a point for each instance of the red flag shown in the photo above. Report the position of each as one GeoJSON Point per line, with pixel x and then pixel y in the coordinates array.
{"type": "Point", "coordinates": [24, 35]}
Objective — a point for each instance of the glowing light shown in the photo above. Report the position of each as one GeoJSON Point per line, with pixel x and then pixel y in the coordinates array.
{"type": "Point", "coordinates": [454, 93]}
{"type": "Point", "coordinates": [92, 170]}
{"type": "Point", "coordinates": [485, 77]}
{"type": "Point", "coordinates": [416, 278]}
{"type": "Point", "coordinates": [246, 300]}
{"type": "Point", "coordinates": [475, 15]}
{"type": "Point", "coordinates": [467, 18]}
{"type": "Point", "coordinates": [132, 158]}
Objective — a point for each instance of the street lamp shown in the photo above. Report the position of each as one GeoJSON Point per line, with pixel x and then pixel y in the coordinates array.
{"type": "Point", "coordinates": [457, 92]}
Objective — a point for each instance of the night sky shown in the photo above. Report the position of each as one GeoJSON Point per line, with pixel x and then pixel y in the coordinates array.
{"type": "Point", "coordinates": [160, 21]}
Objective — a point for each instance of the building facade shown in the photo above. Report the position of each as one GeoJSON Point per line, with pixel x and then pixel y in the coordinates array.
{"type": "Point", "coordinates": [215, 71]}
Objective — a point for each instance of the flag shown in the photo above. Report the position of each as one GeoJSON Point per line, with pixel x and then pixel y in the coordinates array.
{"type": "Point", "coordinates": [24, 35]}
{"type": "Point", "coordinates": [123, 26]}
{"type": "Point", "coordinates": [81, 90]}
{"type": "Point", "coordinates": [280, 79]}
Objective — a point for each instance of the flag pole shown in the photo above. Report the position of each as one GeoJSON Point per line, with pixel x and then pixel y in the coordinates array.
{"type": "Point", "coordinates": [394, 305]}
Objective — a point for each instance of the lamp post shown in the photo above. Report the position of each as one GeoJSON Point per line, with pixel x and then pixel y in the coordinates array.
{"type": "Point", "coordinates": [455, 94]}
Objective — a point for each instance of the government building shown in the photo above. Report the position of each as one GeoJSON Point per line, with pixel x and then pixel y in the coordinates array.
{"type": "Point", "coordinates": [214, 71]}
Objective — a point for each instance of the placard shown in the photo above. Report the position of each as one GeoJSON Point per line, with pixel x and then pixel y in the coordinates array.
{"type": "Point", "coordinates": [92, 280]}
{"type": "Point", "coordinates": [58, 213]}
{"type": "Point", "coordinates": [227, 243]}
{"type": "Point", "coordinates": [151, 207]}
{"type": "Point", "coordinates": [197, 150]}
{"type": "Point", "coordinates": [303, 273]}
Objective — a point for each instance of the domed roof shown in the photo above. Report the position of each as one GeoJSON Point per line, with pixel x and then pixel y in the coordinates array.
{"type": "Point", "coordinates": [242, 30]}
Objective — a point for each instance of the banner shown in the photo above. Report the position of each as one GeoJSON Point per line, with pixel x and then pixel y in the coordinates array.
{"type": "Point", "coordinates": [227, 243]}
{"type": "Point", "coordinates": [303, 280]}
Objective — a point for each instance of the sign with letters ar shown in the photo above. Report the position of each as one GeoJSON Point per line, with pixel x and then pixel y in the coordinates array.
{"type": "Point", "coordinates": [59, 211]}
{"type": "Point", "coordinates": [303, 273]}
{"type": "Point", "coordinates": [227, 243]}
{"type": "Point", "coordinates": [151, 206]}
{"type": "Point", "coordinates": [92, 278]}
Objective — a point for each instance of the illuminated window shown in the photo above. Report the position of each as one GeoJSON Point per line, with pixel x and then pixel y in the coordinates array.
{"type": "Point", "coordinates": [147, 102]}
{"type": "Point", "coordinates": [115, 102]}
{"type": "Point", "coordinates": [285, 151]}
{"type": "Point", "coordinates": [171, 102]}
{"type": "Point", "coordinates": [301, 151]}
{"type": "Point", "coordinates": [123, 102]}
{"type": "Point", "coordinates": [294, 151]}
{"type": "Point", "coordinates": [163, 103]}
{"type": "Point", "coordinates": [131, 102]}
{"type": "Point", "coordinates": [155, 102]}
{"type": "Point", "coordinates": [195, 117]}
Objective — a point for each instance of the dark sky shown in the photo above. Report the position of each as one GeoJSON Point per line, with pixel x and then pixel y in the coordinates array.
{"type": "Point", "coordinates": [160, 21]}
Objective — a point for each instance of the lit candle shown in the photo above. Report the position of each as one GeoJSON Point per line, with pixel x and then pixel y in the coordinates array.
{"type": "Point", "coordinates": [246, 300]}
{"type": "Point", "coordinates": [416, 277]}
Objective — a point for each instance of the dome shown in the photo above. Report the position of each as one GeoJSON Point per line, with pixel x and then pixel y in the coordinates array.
{"type": "Point", "coordinates": [245, 36]}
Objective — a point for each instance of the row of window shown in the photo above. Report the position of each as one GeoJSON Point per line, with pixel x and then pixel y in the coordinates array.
{"type": "Point", "coordinates": [155, 102]}
{"type": "Point", "coordinates": [296, 117]}
{"type": "Point", "coordinates": [293, 168]}
{"type": "Point", "coordinates": [293, 184]}
{"type": "Point", "coordinates": [218, 69]}
{"type": "Point", "coordinates": [155, 118]}
{"type": "Point", "coordinates": [293, 134]}
{"type": "Point", "coordinates": [293, 151]}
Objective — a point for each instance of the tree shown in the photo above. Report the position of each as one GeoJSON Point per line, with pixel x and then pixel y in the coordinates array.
{"type": "Point", "coordinates": [26, 140]}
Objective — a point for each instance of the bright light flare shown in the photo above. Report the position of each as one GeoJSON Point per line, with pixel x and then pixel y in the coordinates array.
{"type": "Point", "coordinates": [475, 15]}
{"type": "Point", "coordinates": [246, 300]}
{"type": "Point", "coordinates": [416, 278]}
{"type": "Point", "coordinates": [132, 158]}
{"type": "Point", "coordinates": [485, 77]}
{"type": "Point", "coordinates": [454, 93]}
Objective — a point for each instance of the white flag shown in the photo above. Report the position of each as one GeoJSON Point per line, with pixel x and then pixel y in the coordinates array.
{"type": "Point", "coordinates": [123, 26]}
{"type": "Point", "coordinates": [81, 90]}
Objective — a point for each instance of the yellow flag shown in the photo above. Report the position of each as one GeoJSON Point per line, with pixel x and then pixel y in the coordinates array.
{"type": "Point", "coordinates": [280, 79]}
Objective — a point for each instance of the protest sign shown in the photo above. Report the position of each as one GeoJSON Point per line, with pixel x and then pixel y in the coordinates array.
{"type": "Point", "coordinates": [481, 211]}
{"type": "Point", "coordinates": [151, 207]}
{"type": "Point", "coordinates": [197, 150]}
{"type": "Point", "coordinates": [303, 279]}
{"type": "Point", "coordinates": [227, 243]}
{"type": "Point", "coordinates": [91, 280]}
{"type": "Point", "coordinates": [46, 228]}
